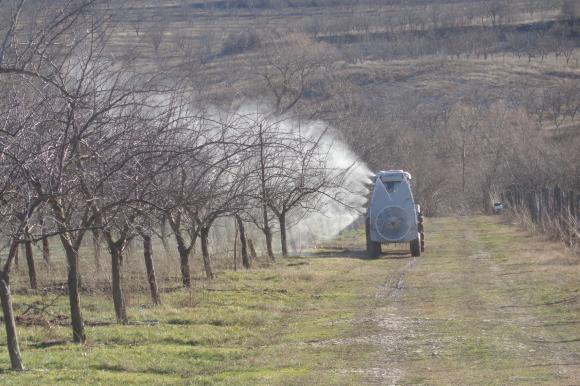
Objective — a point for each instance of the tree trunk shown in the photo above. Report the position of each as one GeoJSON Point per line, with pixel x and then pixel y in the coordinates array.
{"type": "Point", "coordinates": [78, 325]}
{"type": "Point", "coordinates": [97, 248]}
{"type": "Point", "coordinates": [46, 250]}
{"type": "Point", "coordinates": [183, 258]}
{"type": "Point", "coordinates": [244, 249]}
{"type": "Point", "coordinates": [268, 233]}
{"type": "Point", "coordinates": [10, 324]}
{"type": "Point", "coordinates": [117, 276]}
{"type": "Point", "coordinates": [72, 258]}
{"type": "Point", "coordinates": [253, 255]}
{"type": "Point", "coordinates": [205, 253]}
{"type": "Point", "coordinates": [148, 255]}
{"type": "Point", "coordinates": [45, 242]}
{"type": "Point", "coordinates": [16, 253]}
{"type": "Point", "coordinates": [235, 247]}
{"type": "Point", "coordinates": [283, 240]}
{"type": "Point", "coordinates": [184, 266]}
{"type": "Point", "coordinates": [164, 236]}
{"type": "Point", "coordinates": [270, 250]}
{"type": "Point", "coordinates": [30, 261]}
{"type": "Point", "coordinates": [184, 252]}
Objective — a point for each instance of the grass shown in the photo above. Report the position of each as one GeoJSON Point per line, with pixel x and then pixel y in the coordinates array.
{"type": "Point", "coordinates": [481, 311]}
{"type": "Point", "coordinates": [256, 327]}
{"type": "Point", "coordinates": [487, 304]}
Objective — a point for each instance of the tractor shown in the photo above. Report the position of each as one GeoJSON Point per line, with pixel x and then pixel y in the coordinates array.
{"type": "Point", "coordinates": [392, 215]}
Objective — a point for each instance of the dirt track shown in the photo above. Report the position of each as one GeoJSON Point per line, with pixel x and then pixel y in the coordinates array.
{"type": "Point", "coordinates": [487, 304]}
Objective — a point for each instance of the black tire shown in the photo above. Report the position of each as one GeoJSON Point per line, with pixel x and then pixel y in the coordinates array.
{"type": "Point", "coordinates": [373, 247]}
{"type": "Point", "coordinates": [415, 247]}
{"type": "Point", "coordinates": [421, 230]}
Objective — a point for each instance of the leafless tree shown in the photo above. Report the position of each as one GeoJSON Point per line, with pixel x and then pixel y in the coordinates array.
{"type": "Point", "coordinates": [19, 198]}
{"type": "Point", "coordinates": [291, 172]}
{"type": "Point", "coordinates": [38, 54]}
{"type": "Point", "coordinates": [156, 33]}
{"type": "Point", "coordinates": [181, 186]}
{"type": "Point", "coordinates": [146, 231]}
{"type": "Point", "coordinates": [466, 122]}
{"type": "Point", "coordinates": [288, 68]}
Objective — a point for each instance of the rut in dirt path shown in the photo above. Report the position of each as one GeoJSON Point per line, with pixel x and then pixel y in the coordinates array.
{"type": "Point", "coordinates": [485, 304]}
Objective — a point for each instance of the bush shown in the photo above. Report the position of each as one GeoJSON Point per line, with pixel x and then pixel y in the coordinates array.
{"type": "Point", "coordinates": [238, 42]}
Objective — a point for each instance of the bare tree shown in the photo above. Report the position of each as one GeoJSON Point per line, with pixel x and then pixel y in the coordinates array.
{"type": "Point", "coordinates": [227, 190]}
{"type": "Point", "coordinates": [288, 68]}
{"type": "Point", "coordinates": [156, 33]}
{"type": "Point", "coordinates": [18, 202]}
{"type": "Point", "coordinates": [465, 122]}
{"type": "Point", "coordinates": [302, 176]}
{"type": "Point", "coordinates": [291, 172]}
{"type": "Point", "coordinates": [149, 266]}
{"type": "Point", "coordinates": [246, 261]}
{"type": "Point", "coordinates": [36, 54]}
{"type": "Point", "coordinates": [5, 294]}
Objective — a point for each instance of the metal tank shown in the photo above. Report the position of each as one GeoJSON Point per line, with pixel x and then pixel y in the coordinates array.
{"type": "Point", "coordinates": [393, 216]}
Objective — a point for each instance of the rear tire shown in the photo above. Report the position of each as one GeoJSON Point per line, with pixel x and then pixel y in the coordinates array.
{"type": "Point", "coordinates": [421, 230]}
{"type": "Point", "coordinates": [373, 247]}
{"type": "Point", "coordinates": [416, 247]}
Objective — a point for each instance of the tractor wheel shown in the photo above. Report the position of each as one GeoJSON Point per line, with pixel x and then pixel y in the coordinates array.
{"type": "Point", "coordinates": [373, 248]}
{"type": "Point", "coordinates": [416, 247]}
{"type": "Point", "coordinates": [421, 231]}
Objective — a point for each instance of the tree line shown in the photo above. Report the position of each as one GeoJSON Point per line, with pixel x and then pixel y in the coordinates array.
{"type": "Point", "coordinates": [551, 211]}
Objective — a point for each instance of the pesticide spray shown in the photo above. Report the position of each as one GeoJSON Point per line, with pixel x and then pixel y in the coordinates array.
{"type": "Point", "coordinates": [341, 207]}
{"type": "Point", "coordinates": [337, 207]}
{"type": "Point", "coordinates": [325, 213]}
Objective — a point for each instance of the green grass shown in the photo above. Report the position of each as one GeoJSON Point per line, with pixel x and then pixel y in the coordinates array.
{"type": "Point", "coordinates": [483, 303]}
{"type": "Point", "coordinates": [486, 304]}
{"type": "Point", "coordinates": [256, 327]}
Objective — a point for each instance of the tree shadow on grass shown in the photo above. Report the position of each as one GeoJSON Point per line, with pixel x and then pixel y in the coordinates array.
{"type": "Point", "coordinates": [396, 254]}
{"type": "Point", "coordinates": [181, 342]}
{"type": "Point", "coordinates": [123, 369]}
{"type": "Point", "coordinates": [358, 254]}
{"type": "Point", "coordinates": [49, 343]}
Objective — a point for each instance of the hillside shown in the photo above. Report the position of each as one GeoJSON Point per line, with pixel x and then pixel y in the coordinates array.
{"type": "Point", "coordinates": [399, 80]}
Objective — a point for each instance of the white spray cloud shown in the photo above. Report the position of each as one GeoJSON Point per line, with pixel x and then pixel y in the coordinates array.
{"type": "Point", "coordinates": [335, 215]}
{"type": "Point", "coordinates": [339, 209]}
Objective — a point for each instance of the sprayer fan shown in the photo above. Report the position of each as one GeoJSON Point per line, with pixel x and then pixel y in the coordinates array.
{"type": "Point", "coordinates": [393, 223]}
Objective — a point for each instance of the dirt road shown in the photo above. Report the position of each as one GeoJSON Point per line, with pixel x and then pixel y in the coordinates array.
{"type": "Point", "coordinates": [487, 304]}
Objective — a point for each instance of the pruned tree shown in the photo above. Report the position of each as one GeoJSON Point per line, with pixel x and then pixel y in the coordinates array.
{"type": "Point", "coordinates": [304, 177]}
{"type": "Point", "coordinates": [123, 149]}
{"type": "Point", "coordinates": [179, 188]}
{"type": "Point", "coordinates": [227, 189]}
